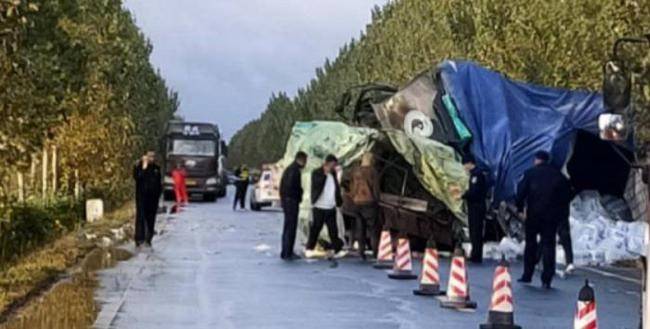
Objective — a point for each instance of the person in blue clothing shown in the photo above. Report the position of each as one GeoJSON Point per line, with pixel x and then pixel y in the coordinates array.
{"type": "Point", "coordinates": [476, 207]}
{"type": "Point", "coordinates": [544, 194]}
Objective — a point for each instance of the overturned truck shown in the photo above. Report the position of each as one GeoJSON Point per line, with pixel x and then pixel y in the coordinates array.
{"type": "Point", "coordinates": [420, 132]}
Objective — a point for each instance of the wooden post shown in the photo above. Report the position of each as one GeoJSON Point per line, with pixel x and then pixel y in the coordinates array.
{"type": "Point", "coordinates": [21, 188]}
{"type": "Point", "coordinates": [54, 171]}
{"type": "Point", "coordinates": [44, 178]}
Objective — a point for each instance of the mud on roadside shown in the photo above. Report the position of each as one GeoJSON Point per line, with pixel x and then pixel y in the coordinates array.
{"type": "Point", "coordinates": [53, 287]}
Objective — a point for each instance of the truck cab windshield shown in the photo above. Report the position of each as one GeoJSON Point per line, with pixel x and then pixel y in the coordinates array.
{"type": "Point", "coordinates": [193, 147]}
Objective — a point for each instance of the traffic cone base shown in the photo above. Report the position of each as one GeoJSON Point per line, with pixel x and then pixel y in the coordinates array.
{"type": "Point", "coordinates": [429, 290]}
{"type": "Point", "coordinates": [500, 320]}
{"type": "Point", "coordinates": [457, 304]}
{"type": "Point", "coordinates": [402, 275]}
{"type": "Point", "coordinates": [383, 265]}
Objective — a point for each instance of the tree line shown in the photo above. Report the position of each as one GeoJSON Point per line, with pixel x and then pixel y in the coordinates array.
{"type": "Point", "coordinates": [76, 75]}
{"type": "Point", "coordinates": [554, 43]}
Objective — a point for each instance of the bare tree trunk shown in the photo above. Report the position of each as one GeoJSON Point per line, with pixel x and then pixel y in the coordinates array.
{"type": "Point", "coordinates": [54, 170]}
{"type": "Point", "coordinates": [21, 187]}
{"type": "Point", "coordinates": [44, 178]}
{"type": "Point", "coordinates": [77, 185]}
{"type": "Point", "coordinates": [32, 175]}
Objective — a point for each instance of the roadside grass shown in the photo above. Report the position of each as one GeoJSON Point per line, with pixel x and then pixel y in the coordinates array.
{"type": "Point", "coordinates": [36, 272]}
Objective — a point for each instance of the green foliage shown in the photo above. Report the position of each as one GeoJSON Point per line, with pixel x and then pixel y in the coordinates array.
{"type": "Point", "coordinates": [30, 225]}
{"type": "Point", "coordinates": [554, 43]}
{"type": "Point", "coordinates": [76, 74]}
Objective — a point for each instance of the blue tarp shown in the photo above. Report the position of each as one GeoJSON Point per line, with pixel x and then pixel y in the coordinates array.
{"type": "Point", "coordinates": [510, 120]}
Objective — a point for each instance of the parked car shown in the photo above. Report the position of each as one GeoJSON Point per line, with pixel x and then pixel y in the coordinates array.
{"type": "Point", "coordinates": [266, 189]}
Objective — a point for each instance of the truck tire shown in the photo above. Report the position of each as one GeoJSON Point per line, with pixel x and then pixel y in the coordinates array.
{"type": "Point", "coordinates": [209, 197]}
{"type": "Point", "coordinates": [221, 193]}
{"type": "Point", "coordinates": [169, 196]}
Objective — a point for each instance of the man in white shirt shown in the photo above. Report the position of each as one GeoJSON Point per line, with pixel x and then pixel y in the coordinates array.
{"type": "Point", "coordinates": [325, 198]}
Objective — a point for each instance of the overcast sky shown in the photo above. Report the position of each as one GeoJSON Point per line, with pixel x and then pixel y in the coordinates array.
{"type": "Point", "coordinates": [226, 57]}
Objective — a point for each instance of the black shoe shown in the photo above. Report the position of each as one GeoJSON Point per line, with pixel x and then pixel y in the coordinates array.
{"type": "Point", "coordinates": [147, 244]}
{"type": "Point", "coordinates": [524, 280]}
{"type": "Point", "coordinates": [294, 257]}
{"type": "Point", "coordinates": [546, 286]}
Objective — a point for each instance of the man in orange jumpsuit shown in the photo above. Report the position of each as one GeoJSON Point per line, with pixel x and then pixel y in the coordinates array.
{"type": "Point", "coordinates": [178, 175]}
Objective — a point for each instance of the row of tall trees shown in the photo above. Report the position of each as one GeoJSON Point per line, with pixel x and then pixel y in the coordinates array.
{"type": "Point", "coordinates": [554, 43]}
{"type": "Point", "coordinates": [75, 75]}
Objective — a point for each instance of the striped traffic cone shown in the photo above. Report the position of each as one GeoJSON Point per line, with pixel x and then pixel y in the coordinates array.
{"type": "Point", "coordinates": [586, 311]}
{"type": "Point", "coordinates": [501, 314]}
{"type": "Point", "coordinates": [429, 278]}
{"type": "Point", "coordinates": [458, 288]}
{"type": "Point", "coordinates": [403, 268]}
{"type": "Point", "coordinates": [385, 252]}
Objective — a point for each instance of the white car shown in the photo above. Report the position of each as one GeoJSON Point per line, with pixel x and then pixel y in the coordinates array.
{"type": "Point", "coordinates": [266, 192]}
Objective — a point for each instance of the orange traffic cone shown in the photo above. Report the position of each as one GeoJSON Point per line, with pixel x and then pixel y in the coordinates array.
{"type": "Point", "coordinates": [458, 288]}
{"type": "Point", "coordinates": [501, 314]}
{"type": "Point", "coordinates": [429, 278]}
{"type": "Point", "coordinates": [385, 252]}
{"type": "Point", "coordinates": [586, 311]}
{"type": "Point", "coordinates": [403, 268]}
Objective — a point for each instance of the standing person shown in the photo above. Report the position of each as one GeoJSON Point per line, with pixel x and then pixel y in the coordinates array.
{"type": "Point", "coordinates": [476, 197]}
{"type": "Point", "coordinates": [325, 198]}
{"type": "Point", "coordinates": [180, 188]}
{"type": "Point", "coordinates": [148, 187]}
{"type": "Point", "coordinates": [545, 193]}
{"type": "Point", "coordinates": [242, 186]}
{"type": "Point", "coordinates": [291, 196]}
{"type": "Point", "coordinates": [364, 194]}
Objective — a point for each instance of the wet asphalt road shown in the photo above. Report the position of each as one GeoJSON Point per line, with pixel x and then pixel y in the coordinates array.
{"type": "Point", "coordinates": [215, 268]}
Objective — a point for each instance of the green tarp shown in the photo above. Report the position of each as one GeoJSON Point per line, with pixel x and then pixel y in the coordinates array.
{"type": "Point", "coordinates": [434, 164]}
{"type": "Point", "coordinates": [436, 167]}
{"type": "Point", "coordinates": [318, 139]}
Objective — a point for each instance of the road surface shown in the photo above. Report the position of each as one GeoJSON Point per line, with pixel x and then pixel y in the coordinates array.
{"type": "Point", "coordinates": [215, 268]}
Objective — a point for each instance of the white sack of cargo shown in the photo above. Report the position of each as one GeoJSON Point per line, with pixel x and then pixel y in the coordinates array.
{"type": "Point", "coordinates": [602, 235]}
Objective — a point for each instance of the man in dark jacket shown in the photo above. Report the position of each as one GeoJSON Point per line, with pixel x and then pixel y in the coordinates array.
{"type": "Point", "coordinates": [148, 187]}
{"type": "Point", "coordinates": [476, 197]}
{"type": "Point", "coordinates": [545, 193]}
{"type": "Point", "coordinates": [325, 198]}
{"type": "Point", "coordinates": [291, 196]}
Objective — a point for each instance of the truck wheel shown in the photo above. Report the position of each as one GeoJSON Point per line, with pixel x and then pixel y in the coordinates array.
{"type": "Point", "coordinates": [210, 197]}
{"type": "Point", "coordinates": [169, 196]}
{"type": "Point", "coordinates": [222, 193]}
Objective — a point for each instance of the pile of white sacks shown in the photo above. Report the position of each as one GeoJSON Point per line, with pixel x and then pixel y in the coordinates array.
{"type": "Point", "coordinates": [600, 235]}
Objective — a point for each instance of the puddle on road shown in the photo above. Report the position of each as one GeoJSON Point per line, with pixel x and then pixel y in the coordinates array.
{"type": "Point", "coordinates": [70, 304]}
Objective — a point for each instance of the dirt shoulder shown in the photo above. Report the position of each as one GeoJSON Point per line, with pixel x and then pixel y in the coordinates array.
{"type": "Point", "coordinates": [35, 273]}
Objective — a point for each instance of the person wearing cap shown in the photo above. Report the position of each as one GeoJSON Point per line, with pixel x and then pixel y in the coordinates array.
{"type": "Point", "coordinates": [475, 197]}
{"type": "Point", "coordinates": [325, 198]}
{"type": "Point", "coordinates": [543, 194]}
